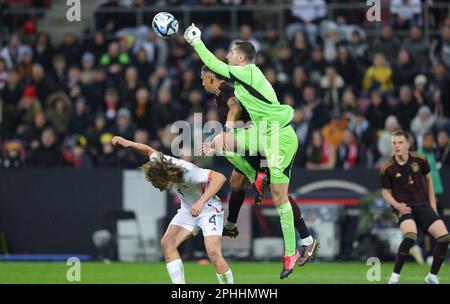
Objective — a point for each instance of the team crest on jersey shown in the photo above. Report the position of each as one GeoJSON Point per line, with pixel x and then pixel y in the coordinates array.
{"type": "Point", "coordinates": [415, 167]}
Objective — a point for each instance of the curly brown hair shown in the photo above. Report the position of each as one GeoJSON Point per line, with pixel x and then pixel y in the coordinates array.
{"type": "Point", "coordinates": [161, 171]}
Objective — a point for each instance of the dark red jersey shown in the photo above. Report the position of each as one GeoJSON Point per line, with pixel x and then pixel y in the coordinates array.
{"type": "Point", "coordinates": [406, 182]}
{"type": "Point", "coordinates": [221, 101]}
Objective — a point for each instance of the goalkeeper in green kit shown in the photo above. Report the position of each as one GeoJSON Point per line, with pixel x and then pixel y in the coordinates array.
{"type": "Point", "coordinates": [271, 133]}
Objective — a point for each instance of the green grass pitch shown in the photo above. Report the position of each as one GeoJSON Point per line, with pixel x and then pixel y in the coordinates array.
{"type": "Point", "coordinates": [244, 272]}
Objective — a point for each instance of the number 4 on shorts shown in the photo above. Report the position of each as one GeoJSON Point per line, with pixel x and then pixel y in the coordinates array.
{"type": "Point", "coordinates": [212, 219]}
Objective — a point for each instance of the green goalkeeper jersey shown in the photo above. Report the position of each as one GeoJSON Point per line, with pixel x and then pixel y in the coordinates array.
{"type": "Point", "coordinates": [251, 88]}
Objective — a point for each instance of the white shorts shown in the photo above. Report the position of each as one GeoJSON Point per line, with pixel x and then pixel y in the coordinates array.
{"type": "Point", "coordinates": [210, 222]}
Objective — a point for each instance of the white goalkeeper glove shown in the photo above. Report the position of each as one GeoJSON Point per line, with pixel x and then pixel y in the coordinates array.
{"type": "Point", "coordinates": [192, 34]}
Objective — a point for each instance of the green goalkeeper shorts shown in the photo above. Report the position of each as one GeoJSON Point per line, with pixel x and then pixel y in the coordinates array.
{"type": "Point", "coordinates": [279, 146]}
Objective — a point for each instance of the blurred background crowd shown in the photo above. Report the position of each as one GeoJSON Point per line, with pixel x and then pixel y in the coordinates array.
{"type": "Point", "coordinates": [61, 102]}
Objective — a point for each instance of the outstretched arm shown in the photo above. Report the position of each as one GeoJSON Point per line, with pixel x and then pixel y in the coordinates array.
{"type": "Point", "coordinates": [193, 37]}
{"type": "Point", "coordinates": [118, 141]}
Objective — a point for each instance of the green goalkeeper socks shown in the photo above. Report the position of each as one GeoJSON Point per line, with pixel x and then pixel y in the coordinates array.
{"type": "Point", "coordinates": [287, 226]}
{"type": "Point", "coordinates": [242, 164]}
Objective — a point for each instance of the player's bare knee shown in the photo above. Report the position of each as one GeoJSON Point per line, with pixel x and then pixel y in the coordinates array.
{"type": "Point", "coordinates": [214, 255]}
{"type": "Point", "coordinates": [166, 244]}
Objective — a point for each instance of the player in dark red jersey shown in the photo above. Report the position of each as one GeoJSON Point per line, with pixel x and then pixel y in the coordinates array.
{"type": "Point", "coordinates": [408, 188]}
{"type": "Point", "coordinates": [230, 112]}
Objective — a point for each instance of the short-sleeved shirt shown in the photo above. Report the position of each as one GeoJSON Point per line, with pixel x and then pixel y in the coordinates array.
{"type": "Point", "coordinates": [407, 181]}
{"type": "Point", "coordinates": [195, 181]}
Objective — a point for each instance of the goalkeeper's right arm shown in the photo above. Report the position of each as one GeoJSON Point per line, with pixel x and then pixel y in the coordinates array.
{"type": "Point", "coordinates": [211, 61]}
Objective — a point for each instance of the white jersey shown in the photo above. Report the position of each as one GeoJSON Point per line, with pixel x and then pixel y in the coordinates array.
{"type": "Point", "coordinates": [195, 182]}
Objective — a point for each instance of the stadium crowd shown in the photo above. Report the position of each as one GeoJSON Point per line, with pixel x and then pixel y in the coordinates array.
{"type": "Point", "coordinates": [60, 105]}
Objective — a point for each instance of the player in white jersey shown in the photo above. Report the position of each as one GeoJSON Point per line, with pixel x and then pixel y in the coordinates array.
{"type": "Point", "coordinates": [200, 207]}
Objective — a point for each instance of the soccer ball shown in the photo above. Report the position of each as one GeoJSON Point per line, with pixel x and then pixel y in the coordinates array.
{"type": "Point", "coordinates": [165, 25]}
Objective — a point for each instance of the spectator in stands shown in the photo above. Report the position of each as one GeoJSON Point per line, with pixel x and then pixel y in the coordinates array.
{"type": "Point", "coordinates": [298, 82]}
{"type": "Point", "coordinates": [406, 108]}
{"type": "Point", "coordinates": [97, 45]}
{"type": "Point", "coordinates": [159, 79]}
{"type": "Point", "coordinates": [13, 89]}
{"type": "Point", "coordinates": [300, 124]}
{"type": "Point", "coordinates": [443, 150]}
{"type": "Point", "coordinates": [87, 68]}
{"type": "Point", "coordinates": [95, 91]}
{"type": "Point", "coordinates": [156, 49]}
{"type": "Point", "coordinates": [319, 153]}
{"type": "Point", "coordinates": [351, 152]}
{"type": "Point", "coordinates": [114, 58]}
{"type": "Point", "coordinates": [332, 86]}
{"type": "Point", "coordinates": [142, 110]}
{"type": "Point", "coordinates": [283, 63]}
{"type": "Point", "coordinates": [333, 131]}
{"type": "Point", "coordinates": [44, 87]}
{"type": "Point", "coordinates": [272, 42]}
{"type": "Point", "coordinates": [300, 46]}
{"type": "Point", "coordinates": [33, 132]}
{"type": "Point", "coordinates": [378, 76]}
{"type": "Point", "coordinates": [246, 34]}
{"type": "Point", "coordinates": [70, 49]}
{"type": "Point", "coordinates": [81, 118]}
{"type": "Point", "coordinates": [364, 133]}
{"type": "Point", "coordinates": [75, 153]}
{"type": "Point", "coordinates": [384, 140]}
{"type": "Point", "coordinates": [349, 102]}
{"type": "Point", "coordinates": [13, 154]}
{"type": "Point", "coordinates": [43, 49]}
{"type": "Point", "coordinates": [25, 65]}
{"type": "Point", "coordinates": [166, 111]}
{"type": "Point", "coordinates": [123, 126]}
{"type": "Point", "coordinates": [420, 90]}
{"type": "Point", "coordinates": [315, 110]}
{"type": "Point", "coordinates": [308, 13]}
{"type": "Point", "coordinates": [422, 123]}
{"type": "Point", "coordinates": [143, 66]}
{"type": "Point", "coordinates": [111, 103]}
{"type": "Point", "coordinates": [406, 13]}
{"type": "Point", "coordinates": [347, 67]}
{"type": "Point", "coordinates": [439, 89]}
{"type": "Point", "coordinates": [58, 72]}
{"type": "Point", "coordinates": [417, 46]}
{"type": "Point", "coordinates": [404, 70]}
{"type": "Point", "coordinates": [28, 106]}
{"type": "Point", "coordinates": [316, 66]}
{"type": "Point", "coordinates": [59, 111]}
{"type": "Point", "coordinates": [107, 156]}
{"type": "Point", "coordinates": [130, 86]}
{"type": "Point", "coordinates": [440, 48]}
{"type": "Point", "coordinates": [94, 133]}
{"type": "Point", "coordinates": [12, 51]}
{"type": "Point", "coordinates": [386, 44]}
{"type": "Point", "coordinates": [378, 111]}
{"type": "Point", "coordinates": [358, 47]}
{"type": "Point", "coordinates": [330, 39]}
{"type": "Point", "coordinates": [74, 84]}
{"type": "Point", "coordinates": [48, 154]}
